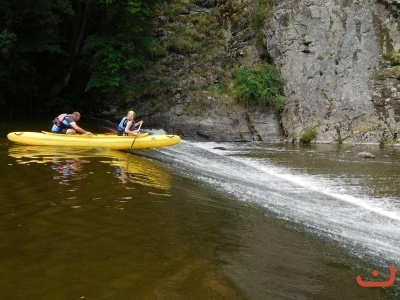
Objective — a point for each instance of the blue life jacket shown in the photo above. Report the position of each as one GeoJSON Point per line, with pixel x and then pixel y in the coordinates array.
{"type": "Point", "coordinates": [122, 125]}
{"type": "Point", "coordinates": [62, 122]}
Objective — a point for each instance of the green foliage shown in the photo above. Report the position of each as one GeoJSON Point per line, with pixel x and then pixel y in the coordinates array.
{"type": "Point", "coordinates": [185, 40]}
{"type": "Point", "coordinates": [72, 49]}
{"type": "Point", "coordinates": [110, 62]}
{"type": "Point", "coordinates": [7, 43]}
{"type": "Point", "coordinates": [119, 49]}
{"type": "Point", "coordinates": [29, 39]}
{"type": "Point", "coordinates": [175, 9]}
{"type": "Point", "coordinates": [278, 104]}
{"type": "Point", "coordinates": [378, 75]}
{"type": "Point", "coordinates": [191, 32]}
{"type": "Point", "coordinates": [395, 72]}
{"type": "Point", "coordinates": [393, 57]}
{"type": "Point", "coordinates": [260, 13]}
{"type": "Point", "coordinates": [260, 85]}
{"type": "Point", "coordinates": [309, 134]}
{"type": "Point", "coordinates": [156, 49]}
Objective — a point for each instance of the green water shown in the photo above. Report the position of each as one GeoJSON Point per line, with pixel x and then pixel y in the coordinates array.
{"type": "Point", "coordinates": [72, 228]}
{"type": "Point", "coordinates": [100, 224]}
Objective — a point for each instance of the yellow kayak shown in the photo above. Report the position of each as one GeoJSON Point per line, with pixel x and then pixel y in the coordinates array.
{"type": "Point", "coordinates": [142, 141]}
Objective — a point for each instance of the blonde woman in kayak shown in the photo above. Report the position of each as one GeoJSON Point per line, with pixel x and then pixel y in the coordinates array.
{"type": "Point", "coordinates": [127, 125]}
{"type": "Point", "coordinates": [66, 123]}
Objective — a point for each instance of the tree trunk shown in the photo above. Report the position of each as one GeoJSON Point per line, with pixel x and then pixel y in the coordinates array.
{"type": "Point", "coordinates": [78, 29]}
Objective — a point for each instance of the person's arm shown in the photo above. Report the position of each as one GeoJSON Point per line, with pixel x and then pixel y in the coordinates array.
{"type": "Point", "coordinates": [128, 126]}
{"type": "Point", "coordinates": [79, 129]}
{"type": "Point", "coordinates": [139, 123]}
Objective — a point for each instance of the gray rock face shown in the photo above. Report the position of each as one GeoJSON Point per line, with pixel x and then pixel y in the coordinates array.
{"type": "Point", "coordinates": [238, 127]}
{"type": "Point", "coordinates": [328, 52]}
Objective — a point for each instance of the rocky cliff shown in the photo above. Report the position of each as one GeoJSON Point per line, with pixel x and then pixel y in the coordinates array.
{"type": "Point", "coordinates": [328, 51]}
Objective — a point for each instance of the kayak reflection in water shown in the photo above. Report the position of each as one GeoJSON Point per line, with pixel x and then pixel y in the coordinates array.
{"type": "Point", "coordinates": [130, 170]}
{"type": "Point", "coordinates": [122, 174]}
{"type": "Point", "coordinates": [68, 169]}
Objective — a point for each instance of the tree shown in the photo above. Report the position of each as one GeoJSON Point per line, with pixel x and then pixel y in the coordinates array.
{"type": "Point", "coordinates": [117, 49]}
{"type": "Point", "coordinates": [28, 33]}
{"type": "Point", "coordinates": [61, 52]}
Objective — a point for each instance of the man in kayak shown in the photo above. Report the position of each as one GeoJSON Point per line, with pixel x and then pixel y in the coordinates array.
{"type": "Point", "coordinates": [66, 123]}
{"type": "Point", "coordinates": [127, 124]}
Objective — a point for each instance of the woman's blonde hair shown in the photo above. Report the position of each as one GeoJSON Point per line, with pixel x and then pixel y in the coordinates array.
{"type": "Point", "coordinates": [131, 115]}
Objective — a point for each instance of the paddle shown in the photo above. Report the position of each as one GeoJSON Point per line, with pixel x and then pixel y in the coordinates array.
{"type": "Point", "coordinates": [138, 132]}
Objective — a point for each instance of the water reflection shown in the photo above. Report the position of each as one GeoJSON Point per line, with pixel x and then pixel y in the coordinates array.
{"type": "Point", "coordinates": [69, 166]}
{"type": "Point", "coordinates": [68, 170]}
{"type": "Point", "coordinates": [134, 169]}
{"type": "Point", "coordinates": [90, 243]}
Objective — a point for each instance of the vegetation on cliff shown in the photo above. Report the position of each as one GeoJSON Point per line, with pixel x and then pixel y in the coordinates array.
{"type": "Point", "coordinates": [214, 57]}
{"type": "Point", "coordinates": [260, 85]}
{"type": "Point", "coordinates": [394, 59]}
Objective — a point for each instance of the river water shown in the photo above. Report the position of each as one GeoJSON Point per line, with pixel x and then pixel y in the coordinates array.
{"type": "Point", "coordinates": [198, 221]}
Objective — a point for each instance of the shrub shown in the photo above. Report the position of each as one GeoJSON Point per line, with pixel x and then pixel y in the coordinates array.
{"type": "Point", "coordinates": [379, 75]}
{"type": "Point", "coordinates": [185, 40]}
{"type": "Point", "coordinates": [309, 134]}
{"type": "Point", "coordinates": [260, 14]}
{"type": "Point", "coordinates": [395, 72]}
{"type": "Point", "coordinates": [393, 57]}
{"type": "Point", "coordinates": [260, 85]}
